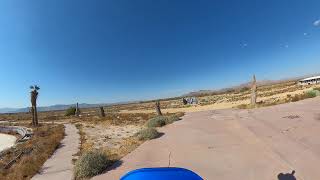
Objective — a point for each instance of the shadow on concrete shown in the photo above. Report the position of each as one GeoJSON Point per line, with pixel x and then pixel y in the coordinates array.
{"type": "Point", "coordinates": [160, 135]}
{"type": "Point", "coordinates": [114, 165]}
{"type": "Point", "coordinates": [287, 176]}
{"type": "Point", "coordinates": [60, 146]}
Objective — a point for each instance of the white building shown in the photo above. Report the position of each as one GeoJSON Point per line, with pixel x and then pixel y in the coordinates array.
{"type": "Point", "coordinates": [310, 80]}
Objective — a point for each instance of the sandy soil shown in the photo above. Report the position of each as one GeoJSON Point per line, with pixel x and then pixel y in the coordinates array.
{"type": "Point", "coordinates": [6, 141]}
{"type": "Point", "coordinates": [103, 136]}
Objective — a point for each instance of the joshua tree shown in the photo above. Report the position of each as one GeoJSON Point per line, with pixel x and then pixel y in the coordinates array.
{"type": "Point", "coordinates": [102, 114]}
{"type": "Point", "coordinates": [158, 110]}
{"type": "Point", "coordinates": [77, 113]}
{"type": "Point", "coordinates": [34, 96]}
{"type": "Point", "coordinates": [254, 91]}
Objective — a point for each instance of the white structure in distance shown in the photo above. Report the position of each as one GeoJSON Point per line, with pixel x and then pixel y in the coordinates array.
{"type": "Point", "coordinates": [310, 80]}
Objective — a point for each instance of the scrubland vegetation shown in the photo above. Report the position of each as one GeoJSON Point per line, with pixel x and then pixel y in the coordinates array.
{"type": "Point", "coordinates": [25, 159]}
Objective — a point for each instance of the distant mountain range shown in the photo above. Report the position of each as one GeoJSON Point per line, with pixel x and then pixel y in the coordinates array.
{"type": "Point", "coordinates": [50, 108]}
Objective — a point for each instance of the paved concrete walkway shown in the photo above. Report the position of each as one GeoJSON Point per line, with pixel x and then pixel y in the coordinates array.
{"type": "Point", "coordinates": [236, 144]}
{"type": "Point", "coordinates": [60, 166]}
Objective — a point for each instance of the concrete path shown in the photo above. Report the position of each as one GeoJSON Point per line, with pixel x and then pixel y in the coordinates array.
{"type": "Point", "coordinates": [236, 144]}
{"type": "Point", "coordinates": [60, 166]}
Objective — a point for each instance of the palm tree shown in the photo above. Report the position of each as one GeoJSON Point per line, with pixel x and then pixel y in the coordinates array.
{"type": "Point", "coordinates": [34, 96]}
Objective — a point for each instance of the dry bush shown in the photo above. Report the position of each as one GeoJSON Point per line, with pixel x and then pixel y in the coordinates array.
{"type": "Point", "coordinates": [90, 164]}
{"type": "Point", "coordinates": [157, 121]}
{"type": "Point", "coordinates": [306, 95]}
{"type": "Point", "coordinates": [172, 119]}
{"type": "Point", "coordinates": [244, 106]}
{"type": "Point", "coordinates": [147, 134]}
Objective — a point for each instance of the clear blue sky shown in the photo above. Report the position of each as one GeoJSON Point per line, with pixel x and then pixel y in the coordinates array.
{"type": "Point", "coordinates": [117, 50]}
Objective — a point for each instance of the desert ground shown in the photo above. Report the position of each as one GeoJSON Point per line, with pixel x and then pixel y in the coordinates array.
{"type": "Point", "coordinates": [236, 144]}
{"type": "Point", "coordinates": [222, 136]}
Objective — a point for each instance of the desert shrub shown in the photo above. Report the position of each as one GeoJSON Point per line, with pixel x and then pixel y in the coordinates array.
{"type": "Point", "coordinates": [171, 119]}
{"type": "Point", "coordinates": [157, 121]}
{"type": "Point", "coordinates": [179, 114]}
{"type": "Point", "coordinates": [244, 89]}
{"type": "Point", "coordinates": [317, 88]}
{"type": "Point", "coordinates": [243, 106]}
{"type": "Point", "coordinates": [90, 164]}
{"type": "Point", "coordinates": [147, 134]}
{"type": "Point", "coordinates": [308, 94]}
{"type": "Point", "coordinates": [71, 111]}
{"type": "Point", "coordinates": [296, 98]}
{"type": "Point", "coordinates": [311, 93]}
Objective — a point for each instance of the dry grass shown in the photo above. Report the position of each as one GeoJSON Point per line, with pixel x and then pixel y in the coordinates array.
{"type": "Point", "coordinates": [38, 149]}
{"type": "Point", "coordinates": [85, 146]}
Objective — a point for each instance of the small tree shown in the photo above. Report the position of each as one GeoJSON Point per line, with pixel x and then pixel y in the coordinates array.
{"type": "Point", "coordinates": [34, 96]}
{"type": "Point", "coordinates": [102, 114]}
{"type": "Point", "coordinates": [158, 110]}
{"type": "Point", "coordinates": [254, 91]}
{"type": "Point", "coordinates": [71, 111]}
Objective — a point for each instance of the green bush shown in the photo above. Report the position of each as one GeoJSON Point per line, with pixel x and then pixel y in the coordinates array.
{"type": "Point", "coordinates": [308, 94]}
{"type": "Point", "coordinates": [158, 121]}
{"type": "Point", "coordinates": [172, 119]}
{"type": "Point", "coordinates": [311, 93]}
{"type": "Point", "coordinates": [71, 111]}
{"type": "Point", "coordinates": [90, 164]}
{"type": "Point", "coordinates": [147, 134]}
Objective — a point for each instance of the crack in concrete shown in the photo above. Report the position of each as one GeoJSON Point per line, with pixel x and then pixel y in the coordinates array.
{"type": "Point", "coordinates": [169, 159]}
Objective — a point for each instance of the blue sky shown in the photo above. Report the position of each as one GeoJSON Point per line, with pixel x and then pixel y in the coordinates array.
{"type": "Point", "coordinates": [116, 50]}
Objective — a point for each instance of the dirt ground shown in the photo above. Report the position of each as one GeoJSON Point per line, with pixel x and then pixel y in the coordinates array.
{"type": "Point", "coordinates": [109, 136]}
{"type": "Point", "coordinates": [236, 144]}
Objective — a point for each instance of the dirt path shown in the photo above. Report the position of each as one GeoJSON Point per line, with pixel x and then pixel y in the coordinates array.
{"type": "Point", "coordinates": [236, 144]}
{"type": "Point", "coordinates": [60, 166]}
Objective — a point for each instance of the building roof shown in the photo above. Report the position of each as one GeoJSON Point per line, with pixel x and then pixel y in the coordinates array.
{"type": "Point", "coordinates": [310, 78]}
